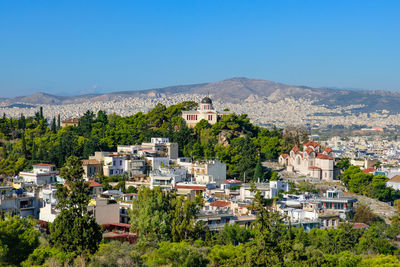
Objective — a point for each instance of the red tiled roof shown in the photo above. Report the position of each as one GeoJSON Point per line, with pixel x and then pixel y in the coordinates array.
{"type": "Point", "coordinates": [220, 203]}
{"type": "Point", "coordinates": [357, 225]}
{"type": "Point", "coordinates": [121, 224]}
{"type": "Point", "coordinates": [328, 150]}
{"type": "Point", "coordinates": [295, 149]}
{"type": "Point", "coordinates": [369, 170]}
{"type": "Point", "coordinates": [190, 187]}
{"type": "Point", "coordinates": [322, 156]}
{"type": "Point", "coordinates": [94, 184]}
{"type": "Point", "coordinates": [314, 167]}
{"type": "Point", "coordinates": [232, 181]}
{"type": "Point", "coordinates": [44, 165]}
{"type": "Point", "coordinates": [312, 143]}
{"type": "Point", "coordinates": [309, 150]}
{"type": "Point", "coordinates": [284, 156]}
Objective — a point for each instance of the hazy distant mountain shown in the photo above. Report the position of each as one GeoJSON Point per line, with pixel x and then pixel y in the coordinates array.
{"type": "Point", "coordinates": [239, 89]}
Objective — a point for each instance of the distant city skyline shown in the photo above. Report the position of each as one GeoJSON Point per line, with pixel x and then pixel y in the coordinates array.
{"type": "Point", "coordinates": [75, 47]}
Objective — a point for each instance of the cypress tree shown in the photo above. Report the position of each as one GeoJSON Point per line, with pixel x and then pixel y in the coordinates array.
{"type": "Point", "coordinates": [23, 144]}
{"type": "Point", "coordinates": [58, 121]}
{"type": "Point", "coordinates": [53, 125]}
{"type": "Point", "coordinates": [33, 152]}
{"type": "Point", "coordinates": [258, 173]}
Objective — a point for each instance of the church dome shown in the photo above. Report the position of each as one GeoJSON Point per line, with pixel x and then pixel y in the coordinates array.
{"type": "Point", "coordinates": [206, 100]}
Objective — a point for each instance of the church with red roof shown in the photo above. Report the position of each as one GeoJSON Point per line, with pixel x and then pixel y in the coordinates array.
{"type": "Point", "coordinates": [312, 161]}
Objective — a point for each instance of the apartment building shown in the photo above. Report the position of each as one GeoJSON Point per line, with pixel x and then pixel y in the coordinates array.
{"type": "Point", "coordinates": [41, 174]}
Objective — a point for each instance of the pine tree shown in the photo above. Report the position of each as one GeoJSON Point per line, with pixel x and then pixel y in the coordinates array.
{"type": "Point", "coordinates": [41, 113]}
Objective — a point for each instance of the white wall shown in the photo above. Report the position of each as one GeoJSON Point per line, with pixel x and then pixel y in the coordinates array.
{"type": "Point", "coordinates": [394, 185]}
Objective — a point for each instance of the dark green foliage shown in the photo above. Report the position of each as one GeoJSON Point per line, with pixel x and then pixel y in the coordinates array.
{"type": "Point", "coordinates": [176, 254]}
{"type": "Point", "coordinates": [58, 122]}
{"type": "Point", "coordinates": [258, 172]}
{"type": "Point", "coordinates": [343, 164]}
{"type": "Point", "coordinates": [233, 234]}
{"type": "Point", "coordinates": [114, 253]}
{"type": "Point", "coordinates": [42, 254]}
{"type": "Point", "coordinates": [53, 125]}
{"type": "Point", "coordinates": [17, 240]}
{"type": "Point", "coordinates": [74, 229]}
{"type": "Point", "coordinates": [367, 184]}
{"type": "Point", "coordinates": [131, 189]}
{"type": "Point", "coordinates": [160, 216]}
{"type": "Point", "coordinates": [233, 139]}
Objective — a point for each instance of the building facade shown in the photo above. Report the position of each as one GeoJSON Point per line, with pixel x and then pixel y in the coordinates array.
{"type": "Point", "coordinates": [92, 168]}
{"type": "Point", "coordinates": [312, 161]}
{"type": "Point", "coordinates": [206, 112]}
{"type": "Point", "coordinates": [40, 175]}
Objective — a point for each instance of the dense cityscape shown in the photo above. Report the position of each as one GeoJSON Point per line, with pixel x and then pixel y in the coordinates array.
{"type": "Point", "coordinates": [288, 111]}
{"type": "Point", "coordinates": [199, 133]}
{"type": "Point", "coordinates": [214, 188]}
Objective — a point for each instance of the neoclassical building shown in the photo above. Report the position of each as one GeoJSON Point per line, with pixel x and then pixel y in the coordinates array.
{"type": "Point", "coordinates": [312, 161]}
{"type": "Point", "coordinates": [206, 112]}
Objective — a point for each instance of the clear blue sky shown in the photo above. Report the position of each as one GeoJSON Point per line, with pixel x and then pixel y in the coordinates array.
{"type": "Point", "coordinates": [65, 47]}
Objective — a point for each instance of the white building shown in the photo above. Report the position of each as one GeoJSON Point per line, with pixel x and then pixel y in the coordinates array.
{"type": "Point", "coordinates": [103, 211]}
{"type": "Point", "coordinates": [206, 172]}
{"type": "Point", "coordinates": [206, 112]}
{"type": "Point", "coordinates": [114, 164]}
{"type": "Point", "coordinates": [134, 149]}
{"type": "Point", "coordinates": [167, 178]}
{"type": "Point", "coordinates": [157, 162]}
{"type": "Point", "coordinates": [394, 182]}
{"type": "Point", "coordinates": [267, 190]}
{"type": "Point", "coordinates": [159, 146]}
{"type": "Point", "coordinates": [18, 202]}
{"type": "Point", "coordinates": [41, 174]}
{"type": "Point", "coordinates": [163, 147]}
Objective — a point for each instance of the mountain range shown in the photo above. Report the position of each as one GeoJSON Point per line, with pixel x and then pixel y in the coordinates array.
{"type": "Point", "coordinates": [239, 89]}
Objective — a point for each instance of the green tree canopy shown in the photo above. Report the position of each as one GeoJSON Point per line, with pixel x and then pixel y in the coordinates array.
{"type": "Point", "coordinates": [17, 240]}
{"type": "Point", "coordinates": [74, 229]}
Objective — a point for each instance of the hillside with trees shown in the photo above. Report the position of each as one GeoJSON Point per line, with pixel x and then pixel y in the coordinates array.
{"type": "Point", "coordinates": [166, 225]}
{"type": "Point", "coordinates": [233, 140]}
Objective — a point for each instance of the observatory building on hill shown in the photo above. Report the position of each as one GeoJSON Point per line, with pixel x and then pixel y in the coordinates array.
{"type": "Point", "coordinates": [206, 112]}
